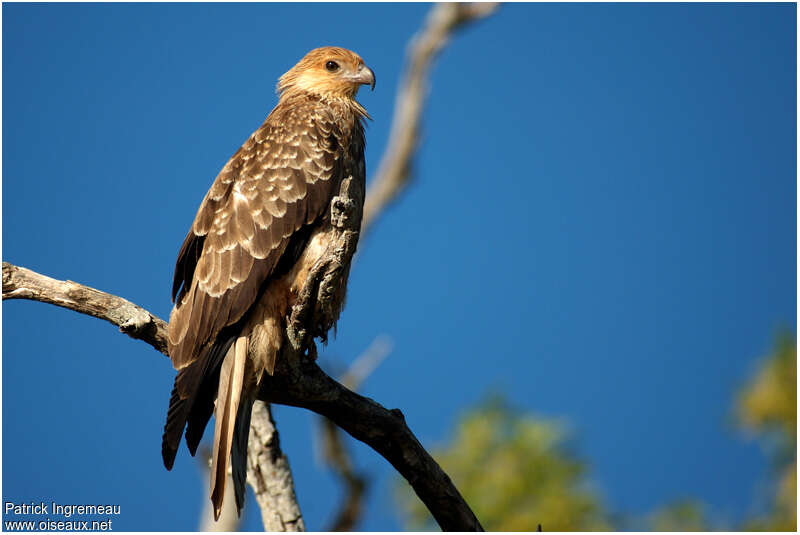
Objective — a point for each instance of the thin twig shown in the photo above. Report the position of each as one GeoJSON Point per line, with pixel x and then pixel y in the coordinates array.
{"type": "Point", "coordinates": [354, 483]}
{"type": "Point", "coordinates": [365, 364]}
{"type": "Point", "coordinates": [333, 446]}
{"type": "Point", "coordinates": [394, 171]}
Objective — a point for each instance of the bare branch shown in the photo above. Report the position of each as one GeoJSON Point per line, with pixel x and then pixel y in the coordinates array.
{"type": "Point", "coordinates": [394, 170]}
{"type": "Point", "coordinates": [276, 500]}
{"type": "Point", "coordinates": [269, 474]}
{"type": "Point", "coordinates": [133, 320]}
{"type": "Point", "coordinates": [392, 177]}
{"type": "Point", "coordinates": [302, 385]}
{"type": "Point", "coordinates": [383, 430]}
{"type": "Point", "coordinates": [299, 381]}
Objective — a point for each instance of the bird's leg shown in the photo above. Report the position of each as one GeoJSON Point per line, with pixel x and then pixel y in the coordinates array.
{"type": "Point", "coordinates": [321, 298]}
{"type": "Point", "coordinates": [300, 323]}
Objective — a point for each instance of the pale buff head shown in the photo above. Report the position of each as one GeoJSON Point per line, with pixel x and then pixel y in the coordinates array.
{"type": "Point", "coordinates": [329, 71]}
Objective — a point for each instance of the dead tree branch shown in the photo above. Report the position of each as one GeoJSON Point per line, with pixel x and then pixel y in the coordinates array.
{"type": "Point", "coordinates": [269, 474]}
{"type": "Point", "coordinates": [383, 430]}
{"type": "Point", "coordinates": [299, 381]}
{"type": "Point", "coordinates": [365, 364]}
{"type": "Point", "coordinates": [276, 500]}
{"type": "Point", "coordinates": [302, 385]}
{"type": "Point", "coordinates": [133, 320]}
{"type": "Point", "coordinates": [394, 171]}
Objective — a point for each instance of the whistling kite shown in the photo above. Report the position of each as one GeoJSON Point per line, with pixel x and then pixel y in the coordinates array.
{"type": "Point", "coordinates": [258, 232]}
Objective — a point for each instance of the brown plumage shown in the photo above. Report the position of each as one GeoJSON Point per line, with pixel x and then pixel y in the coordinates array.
{"type": "Point", "coordinates": [259, 230]}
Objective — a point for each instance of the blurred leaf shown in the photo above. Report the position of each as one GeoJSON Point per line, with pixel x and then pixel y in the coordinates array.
{"type": "Point", "coordinates": [516, 473]}
{"type": "Point", "coordinates": [767, 408]}
{"type": "Point", "coordinates": [685, 515]}
{"type": "Point", "coordinates": [769, 403]}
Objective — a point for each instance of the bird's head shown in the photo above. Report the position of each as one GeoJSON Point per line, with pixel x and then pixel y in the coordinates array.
{"type": "Point", "coordinates": [329, 72]}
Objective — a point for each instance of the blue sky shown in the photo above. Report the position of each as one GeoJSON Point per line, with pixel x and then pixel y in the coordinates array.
{"type": "Point", "coordinates": [601, 226]}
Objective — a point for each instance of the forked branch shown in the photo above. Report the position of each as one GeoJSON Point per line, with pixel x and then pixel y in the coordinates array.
{"type": "Point", "coordinates": [303, 383]}
{"type": "Point", "coordinates": [283, 513]}
{"type": "Point", "coordinates": [306, 386]}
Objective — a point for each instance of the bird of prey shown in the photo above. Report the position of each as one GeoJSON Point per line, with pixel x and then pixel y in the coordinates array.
{"type": "Point", "coordinates": [257, 234]}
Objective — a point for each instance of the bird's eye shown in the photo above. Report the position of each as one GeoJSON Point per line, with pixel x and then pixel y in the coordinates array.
{"type": "Point", "coordinates": [332, 66]}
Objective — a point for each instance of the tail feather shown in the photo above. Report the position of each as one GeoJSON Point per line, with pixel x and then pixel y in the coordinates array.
{"type": "Point", "coordinates": [192, 401]}
{"type": "Point", "coordinates": [239, 451]}
{"type": "Point", "coordinates": [173, 429]}
{"type": "Point", "coordinates": [199, 416]}
{"type": "Point", "coordinates": [231, 381]}
{"type": "Point", "coordinates": [203, 404]}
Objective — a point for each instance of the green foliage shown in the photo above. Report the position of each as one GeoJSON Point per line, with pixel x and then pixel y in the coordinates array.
{"type": "Point", "coordinates": [768, 405]}
{"type": "Point", "coordinates": [684, 515]}
{"type": "Point", "coordinates": [768, 408]}
{"type": "Point", "coordinates": [516, 473]}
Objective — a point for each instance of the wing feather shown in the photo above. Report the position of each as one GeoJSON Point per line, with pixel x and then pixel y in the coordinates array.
{"type": "Point", "coordinates": [281, 179]}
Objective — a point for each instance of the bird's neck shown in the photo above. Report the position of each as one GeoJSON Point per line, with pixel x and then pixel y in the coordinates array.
{"type": "Point", "coordinates": [344, 104]}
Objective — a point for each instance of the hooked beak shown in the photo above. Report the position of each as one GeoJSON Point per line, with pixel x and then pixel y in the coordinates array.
{"type": "Point", "coordinates": [365, 76]}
